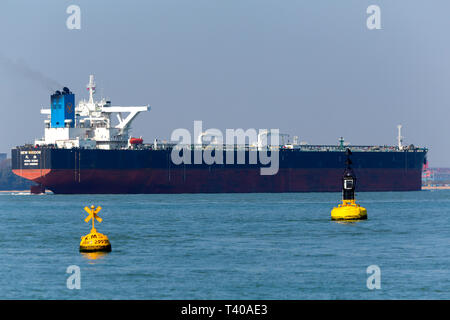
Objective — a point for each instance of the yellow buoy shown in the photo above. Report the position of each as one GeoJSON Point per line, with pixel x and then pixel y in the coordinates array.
{"type": "Point", "coordinates": [94, 241]}
{"type": "Point", "coordinates": [349, 209]}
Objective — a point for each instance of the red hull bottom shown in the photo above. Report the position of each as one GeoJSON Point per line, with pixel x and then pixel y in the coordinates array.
{"type": "Point", "coordinates": [218, 180]}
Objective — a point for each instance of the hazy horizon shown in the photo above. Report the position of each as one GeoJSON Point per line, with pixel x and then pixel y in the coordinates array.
{"type": "Point", "coordinates": [312, 69]}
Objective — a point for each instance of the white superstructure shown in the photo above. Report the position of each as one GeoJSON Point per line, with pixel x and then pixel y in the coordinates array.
{"type": "Point", "coordinates": [94, 126]}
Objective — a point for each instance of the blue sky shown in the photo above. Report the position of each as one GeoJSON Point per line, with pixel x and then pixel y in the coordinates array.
{"type": "Point", "coordinates": [309, 68]}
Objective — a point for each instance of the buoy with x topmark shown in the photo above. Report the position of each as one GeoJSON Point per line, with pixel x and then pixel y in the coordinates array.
{"type": "Point", "coordinates": [94, 241]}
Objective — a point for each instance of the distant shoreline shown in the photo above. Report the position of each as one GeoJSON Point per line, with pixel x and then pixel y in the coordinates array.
{"type": "Point", "coordinates": [423, 188]}
{"type": "Point", "coordinates": [436, 188]}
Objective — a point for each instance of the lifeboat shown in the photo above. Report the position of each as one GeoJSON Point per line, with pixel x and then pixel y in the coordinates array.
{"type": "Point", "coordinates": [136, 141]}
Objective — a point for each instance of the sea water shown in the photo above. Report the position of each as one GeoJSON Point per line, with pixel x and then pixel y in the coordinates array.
{"type": "Point", "coordinates": [226, 246]}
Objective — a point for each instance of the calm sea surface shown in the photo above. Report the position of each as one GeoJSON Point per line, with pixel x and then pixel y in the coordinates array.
{"type": "Point", "coordinates": [226, 246]}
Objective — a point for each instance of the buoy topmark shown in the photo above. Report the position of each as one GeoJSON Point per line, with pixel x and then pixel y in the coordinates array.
{"type": "Point", "coordinates": [349, 209]}
{"type": "Point", "coordinates": [94, 241]}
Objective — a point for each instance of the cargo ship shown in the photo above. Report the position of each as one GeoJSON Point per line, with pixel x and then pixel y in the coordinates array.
{"type": "Point", "coordinates": [85, 150]}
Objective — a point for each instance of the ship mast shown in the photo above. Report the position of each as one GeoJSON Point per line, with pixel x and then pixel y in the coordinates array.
{"type": "Point", "coordinates": [91, 89]}
{"type": "Point", "coordinates": [399, 137]}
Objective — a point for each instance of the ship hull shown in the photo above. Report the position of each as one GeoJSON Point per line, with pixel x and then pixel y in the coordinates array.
{"type": "Point", "coordinates": [150, 171]}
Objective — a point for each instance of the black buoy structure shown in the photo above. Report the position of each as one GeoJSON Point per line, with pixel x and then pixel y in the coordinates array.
{"type": "Point", "coordinates": [348, 209]}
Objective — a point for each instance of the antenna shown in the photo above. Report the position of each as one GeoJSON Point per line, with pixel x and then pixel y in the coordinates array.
{"type": "Point", "coordinates": [399, 137]}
